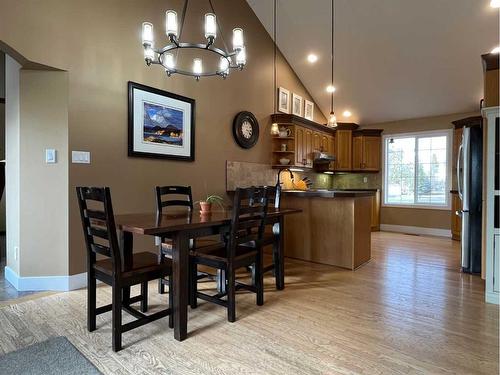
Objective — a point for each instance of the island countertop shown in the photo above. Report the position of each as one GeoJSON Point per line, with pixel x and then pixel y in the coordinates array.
{"type": "Point", "coordinates": [334, 193]}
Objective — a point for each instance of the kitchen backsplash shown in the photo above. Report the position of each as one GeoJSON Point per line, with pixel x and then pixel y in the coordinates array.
{"type": "Point", "coordinates": [247, 174]}
{"type": "Point", "coordinates": [357, 181]}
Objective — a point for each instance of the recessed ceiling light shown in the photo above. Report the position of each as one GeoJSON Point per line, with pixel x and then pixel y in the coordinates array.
{"type": "Point", "coordinates": [347, 113]}
{"type": "Point", "coordinates": [495, 3]}
{"type": "Point", "coordinates": [312, 58]}
{"type": "Point", "coordinates": [330, 88]}
{"type": "Point", "coordinates": [495, 50]}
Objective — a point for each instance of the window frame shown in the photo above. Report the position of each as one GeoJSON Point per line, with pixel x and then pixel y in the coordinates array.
{"type": "Point", "coordinates": [422, 134]}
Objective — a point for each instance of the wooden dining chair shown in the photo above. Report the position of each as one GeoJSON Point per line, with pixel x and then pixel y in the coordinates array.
{"type": "Point", "coordinates": [247, 226]}
{"type": "Point", "coordinates": [101, 238]}
{"type": "Point", "coordinates": [175, 196]}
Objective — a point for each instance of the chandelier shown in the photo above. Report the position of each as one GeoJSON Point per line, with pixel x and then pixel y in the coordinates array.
{"type": "Point", "coordinates": [165, 56]}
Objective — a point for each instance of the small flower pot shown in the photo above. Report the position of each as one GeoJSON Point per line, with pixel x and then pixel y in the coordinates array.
{"type": "Point", "coordinates": [205, 207]}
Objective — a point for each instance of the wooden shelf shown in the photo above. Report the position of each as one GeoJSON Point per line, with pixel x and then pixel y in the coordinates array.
{"type": "Point", "coordinates": [284, 138]}
{"type": "Point", "coordinates": [284, 152]}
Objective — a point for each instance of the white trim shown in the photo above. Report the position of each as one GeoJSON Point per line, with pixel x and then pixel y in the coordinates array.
{"type": "Point", "coordinates": [416, 230]}
{"type": "Point", "coordinates": [449, 146]}
{"type": "Point", "coordinates": [492, 297]}
{"type": "Point", "coordinates": [43, 283]}
{"type": "Point", "coordinates": [392, 205]}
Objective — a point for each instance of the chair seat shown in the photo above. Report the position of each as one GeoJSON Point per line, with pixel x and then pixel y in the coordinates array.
{"type": "Point", "coordinates": [218, 252]}
{"type": "Point", "coordinates": [143, 262]}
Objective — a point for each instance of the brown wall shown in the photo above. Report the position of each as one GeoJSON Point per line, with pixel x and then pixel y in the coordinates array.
{"type": "Point", "coordinates": [98, 43]}
{"type": "Point", "coordinates": [414, 216]}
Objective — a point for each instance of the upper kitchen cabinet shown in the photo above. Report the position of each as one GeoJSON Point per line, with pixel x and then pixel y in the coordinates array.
{"type": "Point", "coordinates": [366, 150]}
{"type": "Point", "coordinates": [343, 150]}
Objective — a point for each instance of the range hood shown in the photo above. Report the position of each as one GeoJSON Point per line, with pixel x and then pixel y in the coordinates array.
{"type": "Point", "coordinates": [323, 158]}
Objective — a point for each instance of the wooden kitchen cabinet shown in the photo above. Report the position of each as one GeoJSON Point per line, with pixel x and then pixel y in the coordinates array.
{"type": "Point", "coordinates": [456, 221]}
{"type": "Point", "coordinates": [299, 146]}
{"type": "Point", "coordinates": [304, 145]}
{"type": "Point", "coordinates": [375, 227]}
{"type": "Point", "coordinates": [343, 149]}
{"type": "Point", "coordinates": [366, 150]}
{"type": "Point", "coordinates": [325, 144]}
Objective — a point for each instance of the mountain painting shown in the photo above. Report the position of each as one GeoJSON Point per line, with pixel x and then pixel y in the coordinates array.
{"type": "Point", "coordinates": [163, 124]}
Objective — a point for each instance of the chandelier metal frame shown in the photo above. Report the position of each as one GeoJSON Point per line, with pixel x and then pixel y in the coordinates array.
{"type": "Point", "coordinates": [154, 56]}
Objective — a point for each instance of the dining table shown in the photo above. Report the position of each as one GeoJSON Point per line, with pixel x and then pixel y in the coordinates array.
{"type": "Point", "coordinates": [181, 227]}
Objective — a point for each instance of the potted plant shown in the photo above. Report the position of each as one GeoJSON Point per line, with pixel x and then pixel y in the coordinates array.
{"type": "Point", "coordinates": [206, 204]}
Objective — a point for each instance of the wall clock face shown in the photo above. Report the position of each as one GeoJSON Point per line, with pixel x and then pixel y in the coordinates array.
{"type": "Point", "coordinates": [245, 129]}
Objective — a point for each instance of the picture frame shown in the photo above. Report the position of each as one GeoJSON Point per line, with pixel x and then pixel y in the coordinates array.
{"type": "Point", "coordinates": [161, 124]}
{"type": "Point", "coordinates": [308, 110]}
{"type": "Point", "coordinates": [283, 100]}
{"type": "Point", "coordinates": [297, 105]}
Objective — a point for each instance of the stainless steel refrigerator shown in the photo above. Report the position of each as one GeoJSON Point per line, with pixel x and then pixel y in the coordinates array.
{"type": "Point", "coordinates": [470, 186]}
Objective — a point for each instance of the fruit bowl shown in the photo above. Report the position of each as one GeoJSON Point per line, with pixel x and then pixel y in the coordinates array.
{"type": "Point", "coordinates": [284, 161]}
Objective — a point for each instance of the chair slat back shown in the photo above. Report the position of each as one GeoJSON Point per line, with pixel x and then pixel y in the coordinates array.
{"type": "Point", "coordinates": [165, 192]}
{"type": "Point", "coordinates": [248, 217]}
{"type": "Point", "coordinates": [98, 224]}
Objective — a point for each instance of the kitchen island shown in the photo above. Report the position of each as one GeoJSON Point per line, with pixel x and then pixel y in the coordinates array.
{"type": "Point", "coordinates": [333, 227]}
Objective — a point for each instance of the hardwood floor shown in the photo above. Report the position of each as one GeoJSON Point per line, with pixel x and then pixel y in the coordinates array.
{"type": "Point", "coordinates": [409, 310]}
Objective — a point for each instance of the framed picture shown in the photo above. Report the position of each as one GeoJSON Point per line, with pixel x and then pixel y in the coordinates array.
{"type": "Point", "coordinates": [160, 123]}
{"type": "Point", "coordinates": [297, 105]}
{"type": "Point", "coordinates": [283, 100]}
{"type": "Point", "coordinates": [309, 110]}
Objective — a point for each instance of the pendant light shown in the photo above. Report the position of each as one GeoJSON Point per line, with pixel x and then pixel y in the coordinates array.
{"type": "Point", "coordinates": [274, 126]}
{"type": "Point", "coordinates": [332, 120]}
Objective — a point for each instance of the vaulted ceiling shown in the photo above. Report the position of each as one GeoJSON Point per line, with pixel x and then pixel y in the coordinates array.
{"type": "Point", "coordinates": [395, 59]}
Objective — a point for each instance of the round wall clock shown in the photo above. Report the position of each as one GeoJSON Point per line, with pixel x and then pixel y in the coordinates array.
{"type": "Point", "coordinates": [245, 129]}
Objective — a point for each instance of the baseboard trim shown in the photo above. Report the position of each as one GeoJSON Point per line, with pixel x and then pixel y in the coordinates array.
{"type": "Point", "coordinates": [416, 230]}
{"type": "Point", "coordinates": [493, 297]}
{"type": "Point", "coordinates": [46, 283]}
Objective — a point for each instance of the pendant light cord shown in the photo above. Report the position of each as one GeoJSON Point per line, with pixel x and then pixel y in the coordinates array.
{"type": "Point", "coordinates": [274, 56]}
{"type": "Point", "coordinates": [333, 58]}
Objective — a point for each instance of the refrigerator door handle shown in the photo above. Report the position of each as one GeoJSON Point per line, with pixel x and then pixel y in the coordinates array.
{"type": "Point", "coordinates": [459, 168]}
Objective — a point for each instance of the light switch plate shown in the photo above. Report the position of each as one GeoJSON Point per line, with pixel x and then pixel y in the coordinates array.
{"type": "Point", "coordinates": [80, 157]}
{"type": "Point", "coordinates": [50, 156]}
{"type": "Point", "coordinates": [365, 180]}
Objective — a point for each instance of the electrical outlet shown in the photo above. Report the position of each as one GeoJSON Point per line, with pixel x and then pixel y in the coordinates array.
{"type": "Point", "coordinates": [365, 180]}
{"type": "Point", "coordinates": [16, 252]}
{"type": "Point", "coordinates": [80, 157]}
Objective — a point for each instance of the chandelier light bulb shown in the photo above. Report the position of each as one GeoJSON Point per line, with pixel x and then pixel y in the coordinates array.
{"type": "Point", "coordinates": [197, 66]}
{"type": "Point", "coordinates": [223, 65]}
{"type": "Point", "coordinates": [496, 49]}
{"type": "Point", "coordinates": [210, 26]}
{"type": "Point", "coordinates": [347, 113]}
{"type": "Point", "coordinates": [171, 22]}
{"type": "Point", "coordinates": [332, 120]}
{"type": "Point", "coordinates": [238, 42]}
{"type": "Point", "coordinates": [147, 34]}
{"type": "Point", "coordinates": [330, 88]}
{"type": "Point", "coordinates": [241, 57]}
{"type": "Point", "coordinates": [149, 53]}
{"type": "Point", "coordinates": [169, 61]}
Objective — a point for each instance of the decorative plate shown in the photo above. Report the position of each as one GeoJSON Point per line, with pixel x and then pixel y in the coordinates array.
{"type": "Point", "coordinates": [245, 129]}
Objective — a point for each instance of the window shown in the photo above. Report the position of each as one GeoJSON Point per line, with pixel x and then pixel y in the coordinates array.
{"type": "Point", "coordinates": [416, 170]}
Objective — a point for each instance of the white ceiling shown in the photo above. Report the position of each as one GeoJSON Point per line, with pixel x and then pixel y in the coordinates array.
{"type": "Point", "coordinates": [396, 59]}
